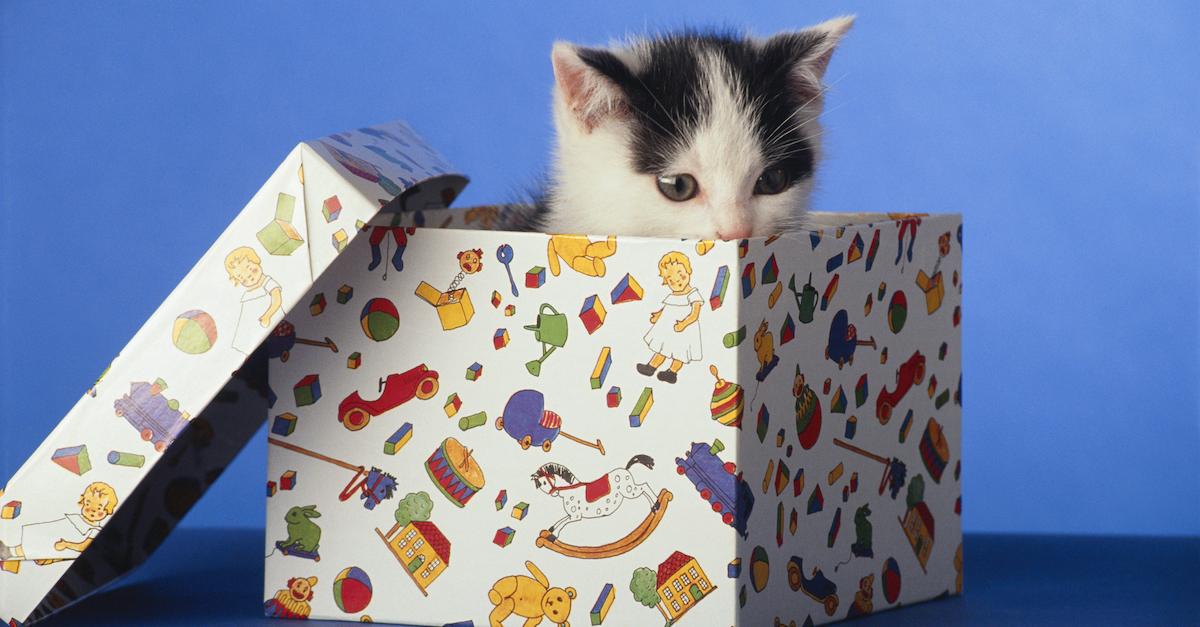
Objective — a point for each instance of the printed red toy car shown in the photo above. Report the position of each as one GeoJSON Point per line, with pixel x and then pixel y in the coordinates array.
{"type": "Point", "coordinates": [911, 373]}
{"type": "Point", "coordinates": [354, 413]}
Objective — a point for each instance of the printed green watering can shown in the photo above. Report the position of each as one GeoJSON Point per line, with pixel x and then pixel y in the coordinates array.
{"type": "Point", "coordinates": [551, 331]}
{"type": "Point", "coordinates": [806, 300]}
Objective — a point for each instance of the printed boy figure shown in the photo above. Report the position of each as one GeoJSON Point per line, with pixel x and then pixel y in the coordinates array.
{"type": "Point", "coordinates": [261, 302]}
{"type": "Point", "coordinates": [675, 330]}
{"type": "Point", "coordinates": [72, 532]}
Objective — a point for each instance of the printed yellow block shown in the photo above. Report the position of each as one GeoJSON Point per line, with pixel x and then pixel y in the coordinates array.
{"type": "Point", "coordinates": [934, 288]}
{"type": "Point", "coordinates": [340, 239]}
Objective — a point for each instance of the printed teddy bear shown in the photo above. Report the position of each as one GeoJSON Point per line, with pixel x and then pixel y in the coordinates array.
{"type": "Point", "coordinates": [531, 598]}
{"type": "Point", "coordinates": [583, 256]}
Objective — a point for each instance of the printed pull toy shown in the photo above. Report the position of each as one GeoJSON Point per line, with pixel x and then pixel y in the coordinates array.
{"type": "Point", "coordinates": [283, 339]}
{"type": "Point", "coordinates": [527, 421]}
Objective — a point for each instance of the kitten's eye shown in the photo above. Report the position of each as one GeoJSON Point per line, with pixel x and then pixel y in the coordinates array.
{"type": "Point", "coordinates": [678, 187]}
{"type": "Point", "coordinates": [772, 181]}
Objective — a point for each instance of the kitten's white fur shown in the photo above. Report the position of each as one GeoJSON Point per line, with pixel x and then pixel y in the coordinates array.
{"type": "Point", "coordinates": [595, 190]}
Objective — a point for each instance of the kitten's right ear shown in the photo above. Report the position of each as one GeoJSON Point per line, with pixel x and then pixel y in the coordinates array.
{"type": "Point", "coordinates": [590, 94]}
{"type": "Point", "coordinates": [807, 52]}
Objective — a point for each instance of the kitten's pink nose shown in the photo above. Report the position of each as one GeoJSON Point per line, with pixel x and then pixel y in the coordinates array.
{"type": "Point", "coordinates": [738, 232]}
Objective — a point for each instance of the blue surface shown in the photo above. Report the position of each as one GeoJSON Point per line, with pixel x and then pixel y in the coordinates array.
{"type": "Point", "coordinates": [214, 577]}
{"type": "Point", "coordinates": [1066, 132]}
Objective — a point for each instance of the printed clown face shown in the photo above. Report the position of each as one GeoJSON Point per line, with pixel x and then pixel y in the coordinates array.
{"type": "Point", "coordinates": [246, 273]}
{"type": "Point", "coordinates": [944, 244]}
{"type": "Point", "coordinates": [676, 277]}
{"type": "Point", "coordinates": [470, 261]}
{"type": "Point", "coordinates": [798, 384]}
{"type": "Point", "coordinates": [300, 588]}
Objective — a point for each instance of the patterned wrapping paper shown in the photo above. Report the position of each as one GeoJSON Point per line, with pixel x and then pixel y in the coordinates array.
{"type": "Point", "coordinates": [166, 416]}
{"type": "Point", "coordinates": [803, 465]}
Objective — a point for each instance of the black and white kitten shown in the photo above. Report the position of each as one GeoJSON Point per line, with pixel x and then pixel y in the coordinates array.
{"type": "Point", "coordinates": [700, 135]}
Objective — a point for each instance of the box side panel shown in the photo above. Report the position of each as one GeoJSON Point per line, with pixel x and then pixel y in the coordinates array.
{"type": "Point", "coordinates": [852, 440]}
{"type": "Point", "coordinates": [377, 448]}
{"type": "Point", "coordinates": [180, 358]}
{"type": "Point", "coordinates": [196, 460]}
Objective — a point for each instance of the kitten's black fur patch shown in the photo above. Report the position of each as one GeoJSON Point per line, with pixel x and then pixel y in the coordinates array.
{"type": "Point", "coordinates": [666, 100]}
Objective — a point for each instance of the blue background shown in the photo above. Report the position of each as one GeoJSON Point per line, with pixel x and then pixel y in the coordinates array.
{"type": "Point", "coordinates": [1066, 133]}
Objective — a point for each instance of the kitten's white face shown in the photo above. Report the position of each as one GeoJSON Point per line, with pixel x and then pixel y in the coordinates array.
{"type": "Point", "coordinates": [688, 136]}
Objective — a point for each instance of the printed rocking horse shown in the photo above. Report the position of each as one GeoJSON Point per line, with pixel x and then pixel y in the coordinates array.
{"type": "Point", "coordinates": [598, 499]}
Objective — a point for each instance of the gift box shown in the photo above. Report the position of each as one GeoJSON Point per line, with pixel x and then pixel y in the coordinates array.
{"type": "Point", "coordinates": [751, 462]}
{"type": "Point", "coordinates": [663, 423]}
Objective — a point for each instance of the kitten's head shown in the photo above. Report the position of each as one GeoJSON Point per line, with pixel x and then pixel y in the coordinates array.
{"type": "Point", "coordinates": [690, 135]}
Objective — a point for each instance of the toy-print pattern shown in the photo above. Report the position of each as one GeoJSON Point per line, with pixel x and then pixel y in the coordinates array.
{"type": "Point", "coordinates": [774, 450]}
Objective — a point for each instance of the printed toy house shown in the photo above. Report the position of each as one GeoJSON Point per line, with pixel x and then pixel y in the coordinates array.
{"type": "Point", "coordinates": [681, 584]}
{"type": "Point", "coordinates": [421, 548]}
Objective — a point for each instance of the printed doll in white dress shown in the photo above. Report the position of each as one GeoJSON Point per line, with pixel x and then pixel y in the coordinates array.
{"type": "Point", "coordinates": [54, 539]}
{"type": "Point", "coordinates": [261, 302]}
{"type": "Point", "coordinates": [675, 330]}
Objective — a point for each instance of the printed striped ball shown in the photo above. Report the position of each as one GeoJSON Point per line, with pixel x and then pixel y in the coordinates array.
{"type": "Point", "coordinates": [352, 590]}
{"type": "Point", "coordinates": [194, 332]}
{"type": "Point", "coordinates": [379, 319]}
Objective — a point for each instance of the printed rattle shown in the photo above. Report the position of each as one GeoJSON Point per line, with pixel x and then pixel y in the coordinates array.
{"type": "Point", "coordinates": [504, 255]}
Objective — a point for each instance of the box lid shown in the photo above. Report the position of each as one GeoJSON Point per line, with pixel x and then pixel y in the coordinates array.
{"type": "Point", "coordinates": [189, 389]}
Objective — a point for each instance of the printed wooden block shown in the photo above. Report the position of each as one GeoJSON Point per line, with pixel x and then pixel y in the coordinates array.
{"type": "Point", "coordinates": [307, 390]}
{"type": "Point", "coordinates": [284, 424]}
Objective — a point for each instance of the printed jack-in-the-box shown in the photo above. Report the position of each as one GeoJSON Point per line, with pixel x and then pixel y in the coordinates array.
{"type": "Point", "coordinates": [522, 428]}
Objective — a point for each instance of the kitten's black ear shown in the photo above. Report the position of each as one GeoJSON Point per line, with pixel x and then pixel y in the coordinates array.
{"type": "Point", "coordinates": [584, 80]}
{"type": "Point", "coordinates": [808, 51]}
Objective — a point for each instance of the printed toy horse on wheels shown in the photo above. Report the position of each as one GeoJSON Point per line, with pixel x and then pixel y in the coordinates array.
{"type": "Point", "coordinates": [598, 499]}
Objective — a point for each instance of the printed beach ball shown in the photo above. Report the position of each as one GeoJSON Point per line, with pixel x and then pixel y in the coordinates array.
{"type": "Point", "coordinates": [891, 580]}
{"type": "Point", "coordinates": [352, 590]}
{"type": "Point", "coordinates": [379, 319]}
{"type": "Point", "coordinates": [760, 568]}
{"type": "Point", "coordinates": [897, 312]}
{"type": "Point", "coordinates": [194, 332]}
